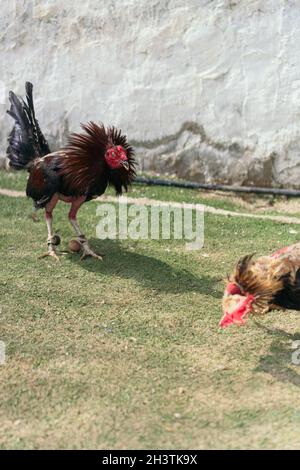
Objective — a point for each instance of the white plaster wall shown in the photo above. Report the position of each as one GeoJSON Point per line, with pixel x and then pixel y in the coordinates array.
{"type": "Point", "coordinates": [230, 69]}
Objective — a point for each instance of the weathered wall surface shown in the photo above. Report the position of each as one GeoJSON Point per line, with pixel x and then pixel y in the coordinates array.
{"type": "Point", "coordinates": [207, 90]}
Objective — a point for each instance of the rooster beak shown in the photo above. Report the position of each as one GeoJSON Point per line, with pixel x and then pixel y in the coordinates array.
{"type": "Point", "coordinates": [125, 164]}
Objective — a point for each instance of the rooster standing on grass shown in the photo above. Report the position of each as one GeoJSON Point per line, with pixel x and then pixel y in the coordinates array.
{"type": "Point", "coordinates": [75, 174]}
{"type": "Point", "coordinates": [270, 282]}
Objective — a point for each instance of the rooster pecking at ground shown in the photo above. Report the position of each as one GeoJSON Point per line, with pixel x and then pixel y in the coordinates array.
{"type": "Point", "coordinates": [257, 286]}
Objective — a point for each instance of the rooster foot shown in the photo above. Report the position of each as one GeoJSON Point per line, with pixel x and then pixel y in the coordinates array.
{"type": "Point", "coordinates": [53, 242]}
{"type": "Point", "coordinates": [50, 253]}
{"type": "Point", "coordinates": [87, 251]}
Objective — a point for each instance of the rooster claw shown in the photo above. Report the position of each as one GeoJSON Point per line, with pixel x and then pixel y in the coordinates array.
{"type": "Point", "coordinates": [50, 253]}
{"type": "Point", "coordinates": [94, 255]}
{"type": "Point", "coordinates": [87, 252]}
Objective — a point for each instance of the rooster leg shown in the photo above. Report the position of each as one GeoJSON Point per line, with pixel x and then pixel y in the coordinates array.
{"type": "Point", "coordinates": [34, 215]}
{"type": "Point", "coordinates": [85, 247]}
{"type": "Point", "coordinates": [53, 240]}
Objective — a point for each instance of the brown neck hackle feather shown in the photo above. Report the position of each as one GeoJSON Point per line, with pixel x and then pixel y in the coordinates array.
{"type": "Point", "coordinates": [84, 158]}
{"type": "Point", "coordinates": [262, 278]}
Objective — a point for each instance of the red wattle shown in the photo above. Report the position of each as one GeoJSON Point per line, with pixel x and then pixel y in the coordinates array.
{"type": "Point", "coordinates": [237, 316]}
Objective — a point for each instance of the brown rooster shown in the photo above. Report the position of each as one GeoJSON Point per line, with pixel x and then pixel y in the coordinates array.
{"type": "Point", "coordinates": [75, 174]}
{"type": "Point", "coordinates": [270, 282]}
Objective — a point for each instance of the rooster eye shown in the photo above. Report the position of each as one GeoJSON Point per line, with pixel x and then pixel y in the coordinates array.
{"type": "Point", "coordinates": [113, 154]}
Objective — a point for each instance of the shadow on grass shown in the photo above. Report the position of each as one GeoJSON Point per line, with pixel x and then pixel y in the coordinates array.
{"type": "Point", "coordinates": [277, 363]}
{"type": "Point", "coordinates": [147, 270]}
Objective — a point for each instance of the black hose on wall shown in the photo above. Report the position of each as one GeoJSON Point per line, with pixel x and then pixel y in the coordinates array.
{"type": "Point", "coordinates": [216, 187]}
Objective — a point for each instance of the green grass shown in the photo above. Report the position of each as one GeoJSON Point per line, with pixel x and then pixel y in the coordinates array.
{"type": "Point", "coordinates": [127, 353]}
{"type": "Point", "coordinates": [243, 203]}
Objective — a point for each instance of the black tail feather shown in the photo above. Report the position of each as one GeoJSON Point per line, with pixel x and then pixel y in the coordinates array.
{"type": "Point", "coordinates": [26, 141]}
{"type": "Point", "coordinates": [43, 147]}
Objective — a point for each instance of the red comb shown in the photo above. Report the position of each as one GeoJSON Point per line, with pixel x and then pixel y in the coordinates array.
{"type": "Point", "coordinates": [233, 289]}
